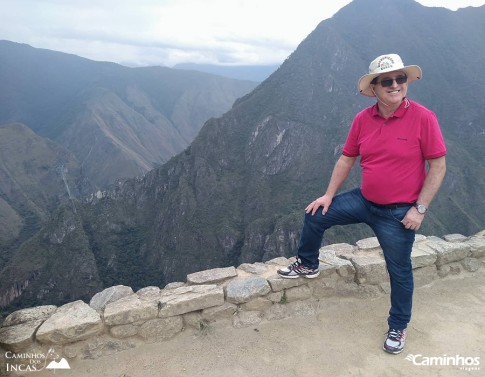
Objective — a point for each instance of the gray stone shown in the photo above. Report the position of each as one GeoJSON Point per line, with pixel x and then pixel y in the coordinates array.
{"type": "Point", "coordinates": [277, 312]}
{"type": "Point", "coordinates": [70, 323]}
{"type": "Point", "coordinates": [276, 297]}
{"type": "Point", "coordinates": [370, 243]}
{"type": "Point", "coordinates": [240, 291]}
{"type": "Point", "coordinates": [30, 314]}
{"type": "Point", "coordinates": [422, 256]}
{"type": "Point", "coordinates": [477, 246]}
{"type": "Point", "coordinates": [124, 331]}
{"type": "Point", "coordinates": [471, 264]}
{"type": "Point", "coordinates": [188, 299]}
{"type": "Point", "coordinates": [448, 252]}
{"type": "Point", "coordinates": [149, 293]}
{"type": "Point", "coordinates": [245, 319]}
{"type": "Point", "coordinates": [256, 268]}
{"type": "Point", "coordinates": [278, 283]}
{"type": "Point", "coordinates": [212, 276]}
{"type": "Point", "coordinates": [258, 304]}
{"type": "Point", "coordinates": [341, 250]}
{"type": "Point", "coordinates": [370, 269]}
{"type": "Point", "coordinates": [326, 270]}
{"type": "Point", "coordinates": [161, 328]}
{"type": "Point", "coordinates": [18, 337]}
{"type": "Point", "coordinates": [100, 300]}
{"type": "Point", "coordinates": [193, 319]}
{"type": "Point", "coordinates": [130, 309]}
{"type": "Point", "coordinates": [298, 293]}
{"type": "Point", "coordinates": [223, 311]}
{"type": "Point", "coordinates": [454, 237]}
{"type": "Point", "coordinates": [419, 238]}
{"type": "Point", "coordinates": [175, 285]}
{"type": "Point", "coordinates": [343, 266]}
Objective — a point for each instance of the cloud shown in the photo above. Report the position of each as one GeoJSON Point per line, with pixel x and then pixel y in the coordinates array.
{"type": "Point", "coordinates": [167, 32]}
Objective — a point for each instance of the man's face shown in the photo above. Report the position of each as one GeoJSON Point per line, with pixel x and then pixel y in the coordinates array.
{"type": "Point", "coordinates": [391, 87]}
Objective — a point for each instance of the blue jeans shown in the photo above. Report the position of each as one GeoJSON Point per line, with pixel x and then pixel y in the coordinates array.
{"type": "Point", "coordinates": [396, 242]}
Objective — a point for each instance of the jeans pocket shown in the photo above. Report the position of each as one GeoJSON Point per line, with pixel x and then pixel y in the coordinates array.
{"type": "Point", "coordinates": [399, 213]}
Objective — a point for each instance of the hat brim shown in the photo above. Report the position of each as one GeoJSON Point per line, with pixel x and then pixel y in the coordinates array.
{"type": "Point", "coordinates": [413, 72]}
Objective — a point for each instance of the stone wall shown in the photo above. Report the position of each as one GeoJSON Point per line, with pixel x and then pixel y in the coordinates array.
{"type": "Point", "coordinates": [118, 318]}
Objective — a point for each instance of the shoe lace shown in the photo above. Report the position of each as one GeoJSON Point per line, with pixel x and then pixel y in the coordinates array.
{"type": "Point", "coordinates": [296, 264]}
{"type": "Point", "coordinates": [395, 334]}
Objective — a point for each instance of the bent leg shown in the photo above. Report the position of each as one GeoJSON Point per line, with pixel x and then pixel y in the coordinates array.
{"type": "Point", "coordinates": [346, 208]}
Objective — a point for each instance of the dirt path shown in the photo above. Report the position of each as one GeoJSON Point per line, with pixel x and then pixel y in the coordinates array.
{"type": "Point", "coordinates": [344, 339]}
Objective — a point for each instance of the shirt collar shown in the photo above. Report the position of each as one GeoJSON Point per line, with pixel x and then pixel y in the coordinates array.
{"type": "Point", "coordinates": [401, 110]}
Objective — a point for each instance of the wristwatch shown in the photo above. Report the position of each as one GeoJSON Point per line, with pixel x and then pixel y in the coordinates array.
{"type": "Point", "coordinates": [421, 208]}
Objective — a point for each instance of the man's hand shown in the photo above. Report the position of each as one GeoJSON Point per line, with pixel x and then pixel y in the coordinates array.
{"type": "Point", "coordinates": [413, 219]}
{"type": "Point", "coordinates": [323, 201]}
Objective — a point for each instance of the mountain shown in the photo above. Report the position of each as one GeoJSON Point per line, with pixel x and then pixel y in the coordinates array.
{"type": "Point", "coordinates": [237, 193]}
{"type": "Point", "coordinates": [119, 122]}
{"type": "Point", "coordinates": [36, 175]}
{"type": "Point", "coordinates": [241, 72]}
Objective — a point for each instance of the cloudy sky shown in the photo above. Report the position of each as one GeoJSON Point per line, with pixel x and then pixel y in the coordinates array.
{"type": "Point", "coordinates": [167, 32]}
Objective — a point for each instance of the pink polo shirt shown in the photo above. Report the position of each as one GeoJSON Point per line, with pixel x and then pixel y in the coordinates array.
{"type": "Point", "coordinates": [393, 151]}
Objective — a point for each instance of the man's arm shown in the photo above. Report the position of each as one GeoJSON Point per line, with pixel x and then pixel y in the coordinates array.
{"type": "Point", "coordinates": [432, 183]}
{"type": "Point", "coordinates": [339, 175]}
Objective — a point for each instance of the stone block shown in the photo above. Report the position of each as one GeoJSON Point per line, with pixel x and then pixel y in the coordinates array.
{"type": "Point", "coordinates": [38, 313]}
{"type": "Point", "coordinates": [302, 292]}
{"type": "Point", "coordinates": [124, 331]}
{"type": "Point", "coordinates": [246, 319]}
{"type": "Point", "coordinates": [258, 304]}
{"type": "Point", "coordinates": [422, 256]}
{"type": "Point", "coordinates": [18, 337]}
{"type": "Point", "coordinates": [341, 250]}
{"type": "Point", "coordinates": [368, 244]}
{"type": "Point", "coordinates": [277, 312]}
{"type": "Point", "coordinates": [161, 328]}
{"type": "Point", "coordinates": [130, 309]}
{"type": "Point", "coordinates": [240, 291]}
{"type": "Point", "coordinates": [215, 313]}
{"type": "Point", "coordinates": [188, 299]}
{"type": "Point", "coordinates": [212, 276]}
{"type": "Point", "coordinates": [448, 252]}
{"type": "Point", "coordinates": [175, 285]}
{"type": "Point", "coordinates": [278, 283]}
{"type": "Point", "coordinates": [343, 267]}
{"type": "Point", "coordinates": [101, 299]}
{"type": "Point", "coordinates": [193, 319]}
{"type": "Point", "coordinates": [418, 238]}
{"type": "Point", "coordinates": [454, 237]}
{"type": "Point", "coordinates": [471, 264]}
{"type": "Point", "coordinates": [149, 293]}
{"type": "Point", "coordinates": [70, 323]}
{"type": "Point", "coordinates": [477, 246]}
{"type": "Point", "coordinates": [256, 268]}
{"type": "Point", "coordinates": [277, 297]}
{"type": "Point", "coordinates": [370, 269]}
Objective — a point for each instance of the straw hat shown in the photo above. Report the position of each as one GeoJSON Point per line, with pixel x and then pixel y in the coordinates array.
{"type": "Point", "coordinates": [383, 64]}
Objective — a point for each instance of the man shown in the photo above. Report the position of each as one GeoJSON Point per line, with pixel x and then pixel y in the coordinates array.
{"type": "Point", "coordinates": [395, 139]}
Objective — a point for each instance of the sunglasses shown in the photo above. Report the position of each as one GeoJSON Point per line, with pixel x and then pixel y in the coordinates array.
{"type": "Point", "coordinates": [388, 82]}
